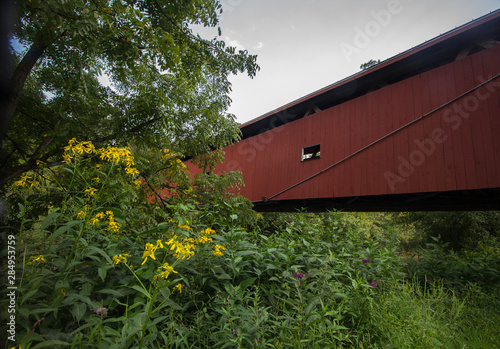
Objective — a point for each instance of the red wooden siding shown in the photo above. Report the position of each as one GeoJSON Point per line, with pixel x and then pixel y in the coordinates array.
{"type": "Point", "coordinates": [454, 147]}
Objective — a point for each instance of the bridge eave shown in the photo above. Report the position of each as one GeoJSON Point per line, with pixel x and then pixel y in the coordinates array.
{"type": "Point", "coordinates": [459, 200]}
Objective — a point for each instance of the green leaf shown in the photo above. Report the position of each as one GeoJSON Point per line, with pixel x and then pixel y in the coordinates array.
{"type": "Point", "coordinates": [64, 228]}
{"type": "Point", "coordinates": [42, 310]}
{"type": "Point", "coordinates": [78, 310]}
{"type": "Point", "coordinates": [51, 217]}
{"type": "Point", "coordinates": [86, 289]}
{"type": "Point", "coordinates": [247, 282]}
{"type": "Point", "coordinates": [101, 252]}
{"type": "Point", "coordinates": [28, 295]}
{"type": "Point", "coordinates": [312, 304]}
{"type": "Point", "coordinates": [246, 253]}
{"type": "Point", "coordinates": [102, 273]}
{"type": "Point", "coordinates": [141, 290]}
{"type": "Point", "coordinates": [22, 210]}
{"type": "Point", "coordinates": [50, 343]}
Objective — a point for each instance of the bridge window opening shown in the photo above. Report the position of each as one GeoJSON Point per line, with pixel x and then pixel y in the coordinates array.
{"type": "Point", "coordinates": [311, 152]}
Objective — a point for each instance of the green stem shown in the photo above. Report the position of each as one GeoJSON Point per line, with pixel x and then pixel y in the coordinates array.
{"type": "Point", "coordinates": [63, 207]}
{"type": "Point", "coordinates": [70, 256]}
{"type": "Point", "coordinates": [144, 328]}
{"type": "Point", "coordinates": [144, 287]}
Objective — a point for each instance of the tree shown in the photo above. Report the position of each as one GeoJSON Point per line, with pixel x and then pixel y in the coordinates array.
{"type": "Point", "coordinates": [369, 64]}
{"type": "Point", "coordinates": [169, 87]}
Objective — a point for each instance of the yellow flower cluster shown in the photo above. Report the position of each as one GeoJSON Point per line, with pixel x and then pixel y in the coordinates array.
{"type": "Point", "coordinates": [174, 157]}
{"type": "Point", "coordinates": [137, 183]}
{"type": "Point", "coordinates": [218, 250]}
{"type": "Point", "coordinates": [110, 154]}
{"type": "Point", "coordinates": [182, 249]}
{"type": "Point", "coordinates": [77, 148]}
{"type": "Point", "coordinates": [164, 271]}
{"type": "Point", "coordinates": [120, 155]}
{"type": "Point", "coordinates": [150, 249]}
{"type": "Point", "coordinates": [113, 226]}
{"type": "Point", "coordinates": [39, 259]}
{"type": "Point", "coordinates": [25, 181]}
{"type": "Point", "coordinates": [120, 258]}
{"type": "Point", "coordinates": [204, 236]}
{"type": "Point", "coordinates": [181, 226]}
{"type": "Point", "coordinates": [90, 191]}
{"type": "Point", "coordinates": [117, 155]}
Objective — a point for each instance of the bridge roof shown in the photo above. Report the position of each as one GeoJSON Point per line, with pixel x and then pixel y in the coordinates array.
{"type": "Point", "coordinates": [455, 44]}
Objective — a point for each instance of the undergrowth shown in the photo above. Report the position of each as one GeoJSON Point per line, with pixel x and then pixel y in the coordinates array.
{"type": "Point", "coordinates": [99, 265]}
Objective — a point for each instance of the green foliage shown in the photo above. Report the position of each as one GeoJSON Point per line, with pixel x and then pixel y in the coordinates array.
{"type": "Point", "coordinates": [168, 86]}
{"type": "Point", "coordinates": [83, 253]}
{"type": "Point", "coordinates": [108, 264]}
{"type": "Point", "coordinates": [407, 316]}
{"type": "Point", "coordinates": [369, 64]}
{"type": "Point", "coordinates": [457, 229]}
{"type": "Point", "coordinates": [457, 270]}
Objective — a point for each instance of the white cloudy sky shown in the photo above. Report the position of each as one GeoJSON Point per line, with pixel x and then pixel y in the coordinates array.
{"type": "Point", "coordinates": [303, 45]}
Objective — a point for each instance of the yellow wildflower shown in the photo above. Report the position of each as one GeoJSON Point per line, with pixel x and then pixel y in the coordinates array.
{"type": "Point", "coordinates": [80, 215]}
{"type": "Point", "coordinates": [203, 239]}
{"type": "Point", "coordinates": [218, 250]}
{"type": "Point", "coordinates": [187, 227]}
{"type": "Point", "coordinates": [35, 184]}
{"type": "Point", "coordinates": [164, 271]}
{"type": "Point", "coordinates": [208, 231]}
{"type": "Point", "coordinates": [120, 258]}
{"type": "Point", "coordinates": [77, 148]}
{"type": "Point", "coordinates": [131, 171]}
{"type": "Point", "coordinates": [149, 251]}
{"type": "Point", "coordinates": [39, 259]}
{"type": "Point", "coordinates": [114, 154]}
{"type": "Point", "coordinates": [67, 158]}
{"type": "Point", "coordinates": [90, 191]}
{"type": "Point", "coordinates": [137, 183]}
{"type": "Point", "coordinates": [179, 287]}
{"type": "Point", "coordinates": [182, 249]}
{"type": "Point", "coordinates": [113, 226]}
{"type": "Point", "coordinates": [22, 181]}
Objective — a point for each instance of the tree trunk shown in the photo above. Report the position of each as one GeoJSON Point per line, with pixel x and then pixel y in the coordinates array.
{"type": "Point", "coordinates": [18, 80]}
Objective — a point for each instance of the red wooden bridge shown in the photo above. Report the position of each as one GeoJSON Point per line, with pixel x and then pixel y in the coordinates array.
{"type": "Point", "coordinates": [419, 131]}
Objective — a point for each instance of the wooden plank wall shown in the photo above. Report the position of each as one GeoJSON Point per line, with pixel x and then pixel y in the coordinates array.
{"type": "Point", "coordinates": [453, 148]}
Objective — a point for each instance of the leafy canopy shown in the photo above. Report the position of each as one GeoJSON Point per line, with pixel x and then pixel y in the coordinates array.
{"type": "Point", "coordinates": [168, 87]}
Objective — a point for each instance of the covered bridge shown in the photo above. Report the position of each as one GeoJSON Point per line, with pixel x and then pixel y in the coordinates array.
{"type": "Point", "coordinates": [419, 131]}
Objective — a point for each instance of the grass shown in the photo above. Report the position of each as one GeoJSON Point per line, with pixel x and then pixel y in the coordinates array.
{"type": "Point", "coordinates": [405, 315]}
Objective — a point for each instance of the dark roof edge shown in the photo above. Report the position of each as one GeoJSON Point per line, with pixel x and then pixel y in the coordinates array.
{"type": "Point", "coordinates": [451, 33]}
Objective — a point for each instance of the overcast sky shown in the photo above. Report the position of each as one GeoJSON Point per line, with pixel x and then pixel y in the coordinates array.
{"type": "Point", "coordinates": [305, 45]}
